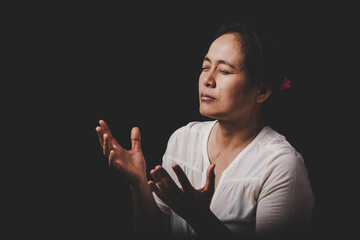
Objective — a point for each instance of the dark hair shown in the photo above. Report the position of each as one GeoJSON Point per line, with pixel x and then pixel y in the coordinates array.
{"type": "Point", "coordinates": [260, 56]}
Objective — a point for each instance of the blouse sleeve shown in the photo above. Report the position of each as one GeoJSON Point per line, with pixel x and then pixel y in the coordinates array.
{"type": "Point", "coordinates": [286, 200]}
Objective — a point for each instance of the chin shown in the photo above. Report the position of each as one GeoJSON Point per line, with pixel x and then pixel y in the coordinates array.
{"type": "Point", "coordinates": [208, 113]}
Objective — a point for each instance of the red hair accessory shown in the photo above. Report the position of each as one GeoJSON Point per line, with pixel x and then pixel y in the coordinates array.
{"type": "Point", "coordinates": [285, 84]}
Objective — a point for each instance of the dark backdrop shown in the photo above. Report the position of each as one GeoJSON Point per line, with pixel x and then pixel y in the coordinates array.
{"type": "Point", "coordinates": [138, 65]}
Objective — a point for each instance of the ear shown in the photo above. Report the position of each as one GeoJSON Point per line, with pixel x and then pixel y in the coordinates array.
{"type": "Point", "coordinates": [263, 93]}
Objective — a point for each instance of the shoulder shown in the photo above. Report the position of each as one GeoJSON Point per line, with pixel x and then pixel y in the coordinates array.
{"type": "Point", "coordinates": [273, 140]}
{"type": "Point", "coordinates": [275, 144]}
{"type": "Point", "coordinates": [282, 164]}
{"type": "Point", "coordinates": [279, 160]}
{"type": "Point", "coordinates": [284, 179]}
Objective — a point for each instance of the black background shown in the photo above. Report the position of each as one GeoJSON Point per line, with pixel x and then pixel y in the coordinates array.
{"type": "Point", "coordinates": [138, 65]}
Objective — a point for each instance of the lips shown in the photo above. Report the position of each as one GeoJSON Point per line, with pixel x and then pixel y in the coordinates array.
{"type": "Point", "coordinates": [206, 97]}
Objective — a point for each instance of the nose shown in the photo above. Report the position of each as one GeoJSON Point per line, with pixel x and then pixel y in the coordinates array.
{"type": "Point", "coordinates": [209, 80]}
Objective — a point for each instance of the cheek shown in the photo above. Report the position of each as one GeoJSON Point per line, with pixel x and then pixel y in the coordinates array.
{"type": "Point", "coordinates": [230, 92]}
{"type": "Point", "coordinates": [235, 95]}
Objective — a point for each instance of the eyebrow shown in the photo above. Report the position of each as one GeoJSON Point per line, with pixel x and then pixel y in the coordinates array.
{"type": "Point", "coordinates": [220, 62]}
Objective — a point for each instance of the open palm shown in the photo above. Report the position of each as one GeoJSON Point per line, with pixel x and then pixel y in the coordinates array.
{"type": "Point", "coordinates": [130, 163]}
{"type": "Point", "coordinates": [185, 201]}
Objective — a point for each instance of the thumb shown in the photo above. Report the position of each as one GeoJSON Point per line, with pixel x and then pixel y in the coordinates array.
{"type": "Point", "coordinates": [210, 178]}
{"type": "Point", "coordinates": [135, 139]}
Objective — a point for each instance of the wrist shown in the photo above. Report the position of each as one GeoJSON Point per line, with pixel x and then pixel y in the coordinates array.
{"type": "Point", "coordinates": [139, 185]}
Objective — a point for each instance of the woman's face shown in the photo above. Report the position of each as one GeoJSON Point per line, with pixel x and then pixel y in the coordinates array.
{"type": "Point", "coordinates": [224, 91]}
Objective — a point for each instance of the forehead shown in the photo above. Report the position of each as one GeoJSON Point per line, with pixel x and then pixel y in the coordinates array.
{"type": "Point", "coordinates": [226, 47]}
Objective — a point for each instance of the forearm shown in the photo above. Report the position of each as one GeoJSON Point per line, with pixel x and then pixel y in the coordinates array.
{"type": "Point", "coordinates": [147, 216]}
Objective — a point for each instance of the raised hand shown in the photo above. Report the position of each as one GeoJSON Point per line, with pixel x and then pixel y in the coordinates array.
{"type": "Point", "coordinates": [185, 201]}
{"type": "Point", "coordinates": [130, 163]}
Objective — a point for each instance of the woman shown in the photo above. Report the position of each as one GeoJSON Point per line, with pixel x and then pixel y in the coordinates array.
{"type": "Point", "coordinates": [230, 177]}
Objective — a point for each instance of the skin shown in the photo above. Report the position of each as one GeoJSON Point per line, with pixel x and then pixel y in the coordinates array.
{"type": "Point", "coordinates": [224, 94]}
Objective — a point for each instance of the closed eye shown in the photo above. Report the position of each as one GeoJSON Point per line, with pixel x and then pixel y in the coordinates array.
{"type": "Point", "coordinates": [224, 72]}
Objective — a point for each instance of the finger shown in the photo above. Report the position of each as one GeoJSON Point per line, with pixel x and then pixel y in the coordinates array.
{"type": "Point", "coordinates": [170, 192]}
{"type": "Point", "coordinates": [210, 178]}
{"type": "Point", "coordinates": [111, 141]}
{"type": "Point", "coordinates": [157, 182]}
{"type": "Point", "coordinates": [154, 175]}
{"type": "Point", "coordinates": [157, 191]}
{"type": "Point", "coordinates": [184, 181]}
{"type": "Point", "coordinates": [154, 188]}
{"type": "Point", "coordinates": [100, 134]}
{"type": "Point", "coordinates": [135, 139]}
{"type": "Point", "coordinates": [106, 146]}
{"type": "Point", "coordinates": [163, 179]}
{"type": "Point", "coordinates": [105, 127]}
{"type": "Point", "coordinates": [103, 124]}
{"type": "Point", "coordinates": [111, 157]}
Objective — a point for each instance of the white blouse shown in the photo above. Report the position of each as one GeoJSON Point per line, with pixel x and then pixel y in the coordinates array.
{"type": "Point", "coordinates": [264, 189]}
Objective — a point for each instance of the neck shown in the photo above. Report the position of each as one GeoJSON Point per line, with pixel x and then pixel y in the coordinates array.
{"type": "Point", "coordinates": [234, 134]}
